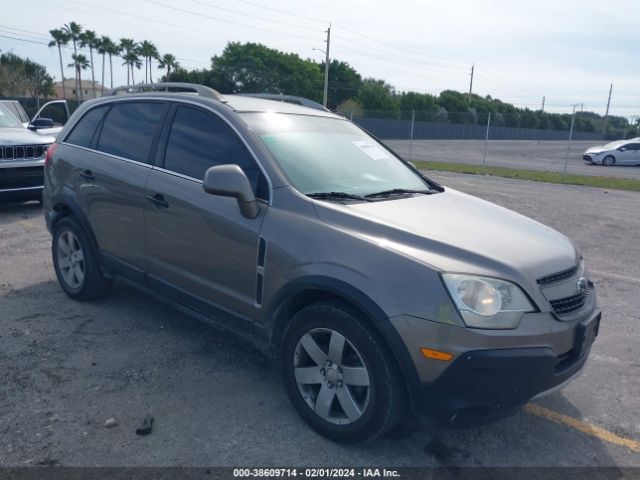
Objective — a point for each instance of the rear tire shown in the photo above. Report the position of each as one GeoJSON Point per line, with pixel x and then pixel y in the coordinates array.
{"type": "Point", "coordinates": [76, 263]}
{"type": "Point", "coordinates": [338, 374]}
{"type": "Point", "coordinates": [608, 161]}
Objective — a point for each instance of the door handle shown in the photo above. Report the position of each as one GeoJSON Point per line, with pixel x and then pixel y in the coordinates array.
{"type": "Point", "coordinates": [158, 200]}
{"type": "Point", "coordinates": [87, 174]}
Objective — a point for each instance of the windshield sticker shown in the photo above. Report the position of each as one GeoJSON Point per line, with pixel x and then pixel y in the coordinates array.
{"type": "Point", "coordinates": [371, 149]}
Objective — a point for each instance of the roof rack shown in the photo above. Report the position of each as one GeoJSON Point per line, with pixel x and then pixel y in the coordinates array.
{"type": "Point", "coordinates": [172, 87]}
{"type": "Point", "coordinates": [287, 98]}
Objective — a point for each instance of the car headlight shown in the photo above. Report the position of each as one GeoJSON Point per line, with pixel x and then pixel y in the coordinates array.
{"type": "Point", "coordinates": [485, 302]}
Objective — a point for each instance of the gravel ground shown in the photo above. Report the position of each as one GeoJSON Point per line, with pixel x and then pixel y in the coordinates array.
{"type": "Point", "coordinates": [66, 368]}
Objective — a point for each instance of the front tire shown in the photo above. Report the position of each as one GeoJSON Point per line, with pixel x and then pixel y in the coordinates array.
{"type": "Point", "coordinates": [338, 374]}
{"type": "Point", "coordinates": [608, 161]}
{"type": "Point", "coordinates": [76, 263]}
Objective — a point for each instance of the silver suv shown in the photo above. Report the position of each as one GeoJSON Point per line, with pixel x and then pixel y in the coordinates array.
{"type": "Point", "coordinates": [382, 293]}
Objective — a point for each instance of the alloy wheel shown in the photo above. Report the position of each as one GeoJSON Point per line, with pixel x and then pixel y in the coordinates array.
{"type": "Point", "coordinates": [331, 376]}
{"type": "Point", "coordinates": [70, 259]}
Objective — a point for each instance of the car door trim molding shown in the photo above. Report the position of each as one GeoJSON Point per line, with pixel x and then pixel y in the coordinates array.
{"type": "Point", "coordinates": [93, 150]}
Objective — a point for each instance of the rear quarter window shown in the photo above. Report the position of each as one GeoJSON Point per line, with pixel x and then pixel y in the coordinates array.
{"type": "Point", "coordinates": [87, 127]}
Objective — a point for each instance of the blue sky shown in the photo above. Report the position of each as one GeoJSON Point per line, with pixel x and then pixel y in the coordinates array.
{"type": "Point", "coordinates": [568, 51]}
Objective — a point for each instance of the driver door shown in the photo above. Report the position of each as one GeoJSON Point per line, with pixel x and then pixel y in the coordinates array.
{"type": "Point", "coordinates": [57, 111]}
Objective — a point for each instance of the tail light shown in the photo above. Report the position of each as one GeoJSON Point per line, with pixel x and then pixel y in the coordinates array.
{"type": "Point", "coordinates": [49, 155]}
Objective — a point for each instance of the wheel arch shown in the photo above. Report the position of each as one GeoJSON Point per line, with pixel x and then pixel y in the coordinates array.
{"type": "Point", "coordinates": [305, 291]}
{"type": "Point", "coordinates": [64, 206]}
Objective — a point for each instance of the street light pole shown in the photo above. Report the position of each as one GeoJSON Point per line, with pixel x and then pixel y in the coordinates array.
{"type": "Point", "coordinates": [573, 119]}
{"type": "Point", "coordinates": [326, 69]}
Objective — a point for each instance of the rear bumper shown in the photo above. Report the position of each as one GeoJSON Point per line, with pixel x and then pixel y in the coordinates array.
{"type": "Point", "coordinates": [483, 386]}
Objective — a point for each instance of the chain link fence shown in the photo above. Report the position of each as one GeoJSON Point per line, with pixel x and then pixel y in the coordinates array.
{"type": "Point", "coordinates": [554, 144]}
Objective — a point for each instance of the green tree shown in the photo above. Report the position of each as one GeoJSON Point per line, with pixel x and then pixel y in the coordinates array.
{"type": "Point", "coordinates": [380, 96]}
{"type": "Point", "coordinates": [255, 68]}
{"type": "Point", "coordinates": [344, 82]}
{"type": "Point", "coordinates": [128, 48]}
{"type": "Point", "coordinates": [424, 105]}
{"type": "Point", "coordinates": [59, 39]}
{"type": "Point", "coordinates": [22, 76]}
{"type": "Point", "coordinates": [350, 108]}
{"type": "Point", "coordinates": [88, 38]}
{"type": "Point", "coordinates": [169, 62]}
{"type": "Point", "coordinates": [80, 62]}
{"type": "Point", "coordinates": [73, 31]}
{"type": "Point", "coordinates": [110, 48]}
{"type": "Point", "coordinates": [148, 51]}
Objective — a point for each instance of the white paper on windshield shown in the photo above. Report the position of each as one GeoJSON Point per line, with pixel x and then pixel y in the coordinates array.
{"type": "Point", "coordinates": [371, 149]}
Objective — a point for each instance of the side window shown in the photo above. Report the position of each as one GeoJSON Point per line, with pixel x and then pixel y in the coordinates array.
{"type": "Point", "coordinates": [84, 131]}
{"type": "Point", "coordinates": [128, 129]}
{"type": "Point", "coordinates": [199, 140]}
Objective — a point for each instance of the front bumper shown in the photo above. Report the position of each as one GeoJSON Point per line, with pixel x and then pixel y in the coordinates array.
{"type": "Point", "coordinates": [21, 180]}
{"type": "Point", "coordinates": [484, 385]}
{"type": "Point", "coordinates": [592, 157]}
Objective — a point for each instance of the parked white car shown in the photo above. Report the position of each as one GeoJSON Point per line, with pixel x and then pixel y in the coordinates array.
{"type": "Point", "coordinates": [621, 152]}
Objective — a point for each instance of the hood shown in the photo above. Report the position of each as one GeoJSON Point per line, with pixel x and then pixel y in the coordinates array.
{"type": "Point", "coordinates": [453, 231]}
{"type": "Point", "coordinates": [22, 136]}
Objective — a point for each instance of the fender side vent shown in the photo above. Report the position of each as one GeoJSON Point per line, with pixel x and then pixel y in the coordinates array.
{"type": "Point", "coordinates": [262, 249]}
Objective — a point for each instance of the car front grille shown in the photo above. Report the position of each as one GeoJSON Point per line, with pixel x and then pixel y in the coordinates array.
{"type": "Point", "coordinates": [570, 304]}
{"type": "Point", "coordinates": [24, 177]}
{"type": "Point", "coordinates": [568, 291]}
{"type": "Point", "coordinates": [586, 157]}
{"type": "Point", "coordinates": [556, 277]}
{"type": "Point", "coordinates": [22, 152]}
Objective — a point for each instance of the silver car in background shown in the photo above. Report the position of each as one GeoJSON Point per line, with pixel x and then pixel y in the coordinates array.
{"type": "Point", "coordinates": [22, 154]}
{"type": "Point", "coordinates": [620, 152]}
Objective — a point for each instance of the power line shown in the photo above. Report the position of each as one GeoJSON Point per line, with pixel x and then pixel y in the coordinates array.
{"type": "Point", "coordinates": [236, 12]}
{"type": "Point", "coordinates": [284, 12]}
{"type": "Point", "coordinates": [190, 12]}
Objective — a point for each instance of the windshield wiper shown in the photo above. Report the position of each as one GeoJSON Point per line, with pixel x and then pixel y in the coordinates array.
{"type": "Point", "coordinates": [337, 196]}
{"type": "Point", "coordinates": [397, 191]}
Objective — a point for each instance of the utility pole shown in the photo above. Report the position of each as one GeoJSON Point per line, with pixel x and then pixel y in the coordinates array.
{"type": "Point", "coordinates": [326, 69]}
{"type": "Point", "coordinates": [471, 82]}
{"type": "Point", "coordinates": [581, 107]}
{"type": "Point", "coordinates": [542, 109]}
{"type": "Point", "coordinates": [573, 119]}
{"type": "Point", "coordinates": [606, 115]}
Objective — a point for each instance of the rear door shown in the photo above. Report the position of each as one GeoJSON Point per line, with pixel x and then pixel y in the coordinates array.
{"type": "Point", "coordinates": [111, 166]}
{"type": "Point", "coordinates": [201, 250]}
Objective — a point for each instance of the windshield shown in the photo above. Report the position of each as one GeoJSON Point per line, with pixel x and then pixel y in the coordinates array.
{"type": "Point", "coordinates": [7, 119]}
{"type": "Point", "coordinates": [323, 154]}
{"type": "Point", "coordinates": [616, 144]}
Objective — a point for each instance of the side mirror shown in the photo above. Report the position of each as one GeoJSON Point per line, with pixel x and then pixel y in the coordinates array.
{"type": "Point", "coordinates": [230, 181]}
{"type": "Point", "coordinates": [41, 123]}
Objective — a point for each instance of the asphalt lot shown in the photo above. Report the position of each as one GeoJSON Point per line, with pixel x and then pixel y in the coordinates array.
{"type": "Point", "coordinates": [67, 367]}
{"type": "Point", "coordinates": [530, 154]}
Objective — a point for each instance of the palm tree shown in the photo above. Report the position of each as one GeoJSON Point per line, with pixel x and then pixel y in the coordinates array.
{"type": "Point", "coordinates": [73, 31]}
{"type": "Point", "coordinates": [148, 51]}
{"type": "Point", "coordinates": [59, 39]}
{"type": "Point", "coordinates": [88, 38]}
{"type": "Point", "coordinates": [128, 47]}
{"type": "Point", "coordinates": [80, 62]}
{"type": "Point", "coordinates": [169, 62]}
{"type": "Point", "coordinates": [131, 60]}
{"type": "Point", "coordinates": [109, 48]}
